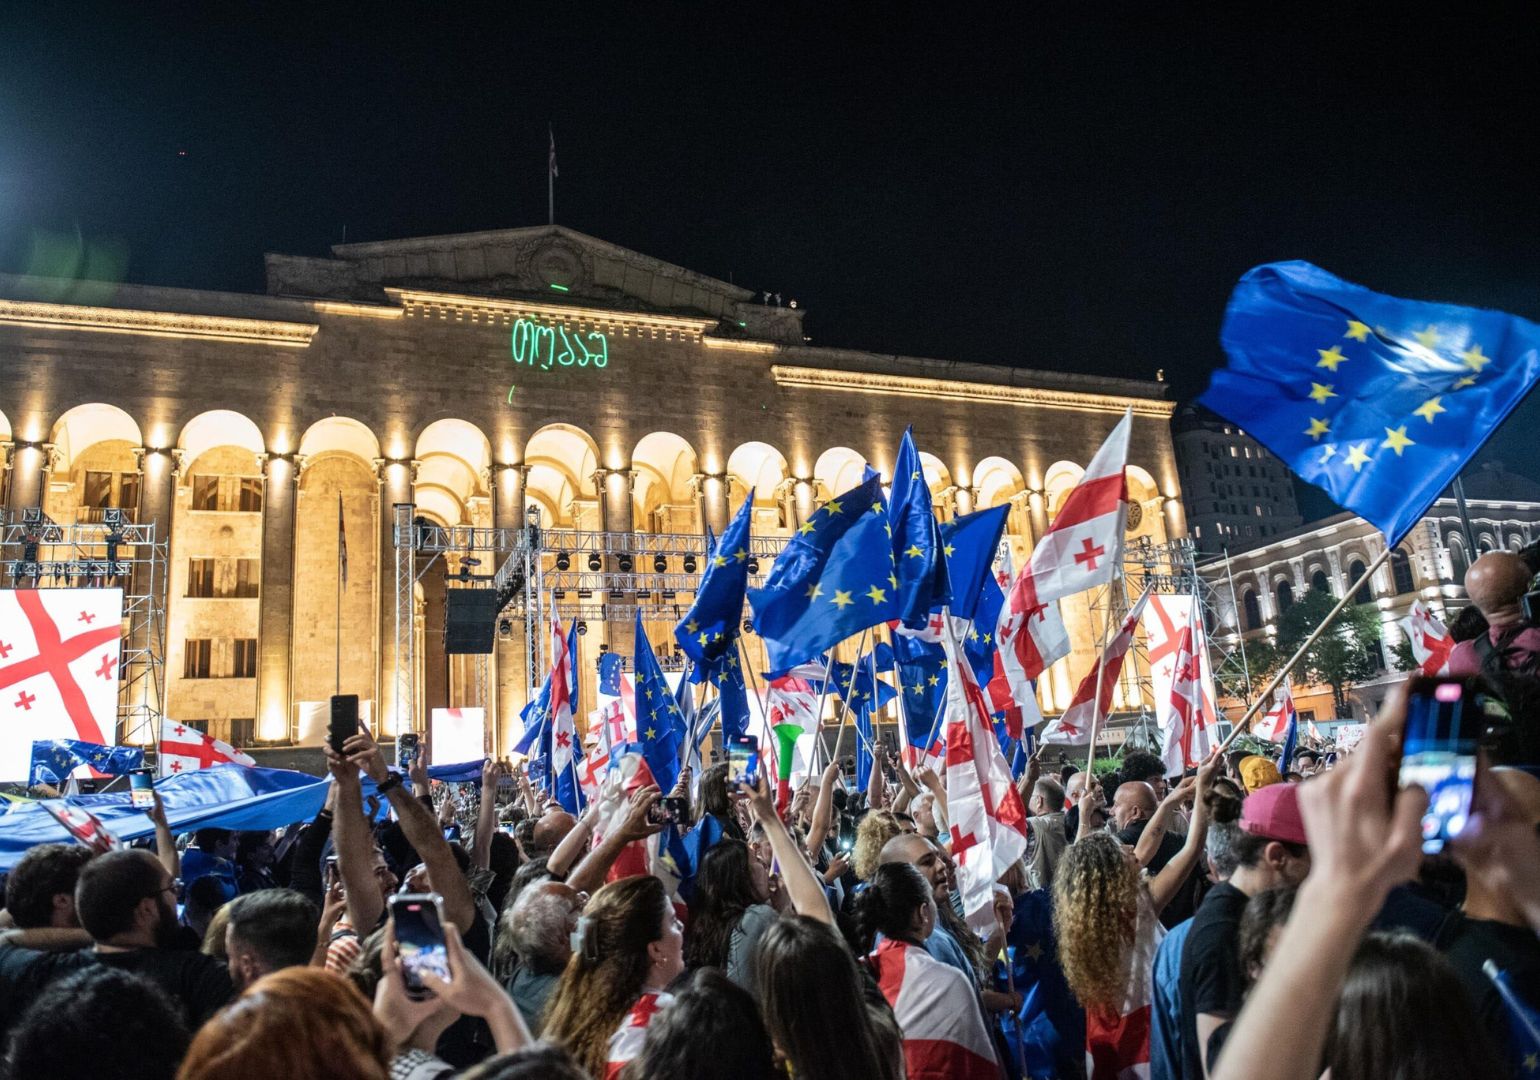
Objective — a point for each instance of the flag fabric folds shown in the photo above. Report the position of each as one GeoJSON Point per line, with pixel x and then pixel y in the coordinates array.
{"type": "Point", "coordinates": [1379, 401]}
{"type": "Point", "coordinates": [1185, 742]}
{"type": "Point", "coordinates": [83, 826]}
{"type": "Point", "coordinates": [937, 1010]}
{"type": "Point", "coordinates": [835, 578]}
{"type": "Point", "coordinates": [185, 749]}
{"type": "Point", "coordinates": [923, 581]}
{"type": "Point", "coordinates": [1430, 640]}
{"type": "Point", "coordinates": [566, 751]}
{"type": "Point", "coordinates": [1088, 708]}
{"type": "Point", "coordinates": [54, 759]}
{"type": "Point", "coordinates": [970, 543]}
{"type": "Point", "coordinates": [1523, 1022]}
{"type": "Point", "coordinates": [1274, 724]}
{"type": "Point", "coordinates": [708, 633]}
{"type": "Point", "coordinates": [656, 709]}
{"type": "Point", "coordinates": [989, 823]}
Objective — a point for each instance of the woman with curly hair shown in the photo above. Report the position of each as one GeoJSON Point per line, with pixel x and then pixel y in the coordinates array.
{"type": "Point", "coordinates": [875, 830]}
{"type": "Point", "coordinates": [1106, 922]}
{"type": "Point", "coordinates": [627, 949]}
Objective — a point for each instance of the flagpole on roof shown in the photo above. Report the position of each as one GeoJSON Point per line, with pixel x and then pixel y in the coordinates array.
{"type": "Point", "coordinates": [1283, 672]}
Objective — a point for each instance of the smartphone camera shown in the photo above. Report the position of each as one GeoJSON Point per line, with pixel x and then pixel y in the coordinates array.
{"type": "Point", "coordinates": [743, 761]}
{"type": "Point", "coordinates": [407, 749]}
{"type": "Point", "coordinates": [419, 923]}
{"type": "Point", "coordinates": [344, 720]}
{"type": "Point", "coordinates": [141, 789]}
{"type": "Point", "coordinates": [669, 810]}
{"type": "Point", "coordinates": [1444, 721]}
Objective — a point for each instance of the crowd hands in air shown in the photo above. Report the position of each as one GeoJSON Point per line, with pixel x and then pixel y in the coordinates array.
{"type": "Point", "coordinates": [1213, 925]}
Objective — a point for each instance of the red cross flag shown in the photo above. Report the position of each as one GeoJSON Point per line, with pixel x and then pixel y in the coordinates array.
{"type": "Point", "coordinates": [1273, 725]}
{"type": "Point", "coordinates": [82, 825]}
{"type": "Point", "coordinates": [1088, 708]}
{"type": "Point", "coordinates": [59, 657]}
{"type": "Point", "coordinates": [184, 749]}
{"type": "Point", "coordinates": [989, 823]}
{"type": "Point", "coordinates": [1082, 548]}
{"type": "Point", "coordinates": [564, 744]}
{"type": "Point", "coordinates": [1167, 618]}
{"type": "Point", "coordinates": [1186, 736]}
{"type": "Point", "coordinates": [1430, 640]}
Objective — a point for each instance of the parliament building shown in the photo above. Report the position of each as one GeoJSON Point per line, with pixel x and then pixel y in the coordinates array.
{"type": "Point", "coordinates": [470, 379]}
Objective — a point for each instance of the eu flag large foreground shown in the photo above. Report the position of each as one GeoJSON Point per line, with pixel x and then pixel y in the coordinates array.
{"type": "Point", "coordinates": [1379, 401]}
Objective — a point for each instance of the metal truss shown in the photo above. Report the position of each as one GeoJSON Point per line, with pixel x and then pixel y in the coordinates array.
{"type": "Point", "coordinates": [38, 553]}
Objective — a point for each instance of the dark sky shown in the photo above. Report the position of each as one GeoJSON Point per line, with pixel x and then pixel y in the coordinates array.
{"type": "Point", "coordinates": [1073, 186]}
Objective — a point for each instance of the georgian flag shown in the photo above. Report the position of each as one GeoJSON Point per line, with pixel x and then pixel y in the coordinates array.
{"type": "Point", "coordinates": [938, 1015]}
{"type": "Point", "coordinates": [82, 825]}
{"type": "Point", "coordinates": [989, 823]}
{"type": "Point", "coordinates": [186, 749]}
{"type": "Point", "coordinates": [1074, 726]}
{"type": "Point", "coordinates": [566, 751]}
{"type": "Point", "coordinates": [1274, 724]}
{"type": "Point", "coordinates": [1186, 740]}
{"type": "Point", "coordinates": [1084, 545]}
{"type": "Point", "coordinates": [1430, 640]}
{"type": "Point", "coordinates": [626, 1043]}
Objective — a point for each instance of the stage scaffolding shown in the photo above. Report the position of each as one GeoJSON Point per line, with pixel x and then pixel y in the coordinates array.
{"type": "Point", "coordinates": [38, 553]}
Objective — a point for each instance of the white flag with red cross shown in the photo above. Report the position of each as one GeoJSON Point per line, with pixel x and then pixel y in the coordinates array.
{"type": "Point", "coordinates": [1089, 708]}
{"type": "Point", "coordinates": [989, 823]}
{"type": "Point", "coordinates": [59, 657]}
{"type": "Point", "coordinates": [183, 748]}
{"type": "Point", "coordinates": [1273, 725]}
{"type": "Point", "coordinates": [82, 825]}
{"type": "Point", "coordinates": [1186, 740]}
{"type": "Point", "coordinates": [1084, 545]}
{"type": "Point", "coordinates": [1430, 640]}
{"type": "Point", "coordinates": [1166, 617]}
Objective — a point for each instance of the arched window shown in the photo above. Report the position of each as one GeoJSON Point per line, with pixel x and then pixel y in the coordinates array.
{"type": "Point", "coordinates": [1253, 610]}
{"type": "Point", "coordinates": [1356, 570]}
{"type": "Point", "coordinates": [1401, 572]}
{"type": "Point", "coordinates": [1458, 561]}
{"type": "Point", "coordinates": [1320, 583]}
{"type": "Point", "coordinates": [1285, 593]}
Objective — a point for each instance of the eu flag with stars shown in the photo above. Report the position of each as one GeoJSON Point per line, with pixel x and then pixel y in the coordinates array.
{"type": "Point", "coordinates": [835, 578]}
{"type": "Point", "coordinates": [709, 630]}
{"type": "Point", "coordinates": [733, 696]}
{"type": "Point", "coordinates": [54, 759]}
{"type": "Point", "coordinates": [864, 694]}
{"type": "Point", "coordinates": [1378, 401]}
{"type": "Point", "coordinates": [922, 681]}
{"type": "Point", "coordinates": [923, 583]}
{"type": "Point", "coordinates": [970, 543]}
{"type": "Point", "coordinates": [656, 708]}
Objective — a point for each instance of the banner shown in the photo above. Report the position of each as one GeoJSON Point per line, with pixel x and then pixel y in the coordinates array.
{"type": "Point", "coordinates": [59, 657]}
{"type": "Point", "coordinates": [1165, 617]}
{"type": "Point", "coordinates": [459, 734]}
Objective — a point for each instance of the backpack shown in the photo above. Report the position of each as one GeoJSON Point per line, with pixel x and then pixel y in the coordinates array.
{"type": "Point", "coordinates": [1504, 657]}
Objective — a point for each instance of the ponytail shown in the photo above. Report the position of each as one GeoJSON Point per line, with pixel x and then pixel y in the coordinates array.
{"type": "Point", "coordinates": [888, 903]}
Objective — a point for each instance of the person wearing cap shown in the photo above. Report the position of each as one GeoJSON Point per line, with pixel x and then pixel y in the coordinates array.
{"type": "Point", "coordinates": [1270, 849]}
{"type": "Point", "coordinates": [1257, 773]}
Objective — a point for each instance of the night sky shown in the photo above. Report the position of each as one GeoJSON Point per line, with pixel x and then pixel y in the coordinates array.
{"type": "Point", "coordinates": [1075, 188]}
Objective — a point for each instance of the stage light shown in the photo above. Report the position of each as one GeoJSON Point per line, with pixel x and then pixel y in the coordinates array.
{"type": "Point", "coordinates": [585, 594]}
{"type": "Point", "coordinates": [689, 564]}
{"type": "Point", "coordinates": [558, 594]}
{"type": "Point", "coordinates": [748, 626]}
{"type": "Point", "coordinates": [595, 563]}
{"type": "Point", "coordinates": [563, 561]}
{"type": "Point", "coordinates": [753, 566]}
{"type": "Point", "coordinates": [505, 628]}
{"type": "Point", "coordinates": [582, 628]}
{"type": "Point", "coordinates": [626, 564]}
{"type": "Point", "coordinates": [660, 564]}
{"type": "Point", "coordinates": [616, 594]}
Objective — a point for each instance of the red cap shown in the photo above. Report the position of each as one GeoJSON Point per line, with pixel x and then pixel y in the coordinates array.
{"type": "Point", "coordinates": [1273, 812]}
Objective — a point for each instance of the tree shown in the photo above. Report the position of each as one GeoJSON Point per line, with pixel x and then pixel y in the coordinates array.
{"type": "Point", "coordinates": [1340, 657]}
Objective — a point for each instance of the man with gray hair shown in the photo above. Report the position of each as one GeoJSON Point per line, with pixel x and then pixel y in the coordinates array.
{"type": "Point", "coordinates": [538, 928]}
{"type": "Point", "coordinates": [1046, 838]}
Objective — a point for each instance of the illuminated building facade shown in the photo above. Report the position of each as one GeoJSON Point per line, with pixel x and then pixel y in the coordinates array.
{"type": "Point", "coordinates": [475, 376]}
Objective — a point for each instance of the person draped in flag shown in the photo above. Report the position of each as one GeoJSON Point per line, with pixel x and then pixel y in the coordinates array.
{"type": "Point", "coordinates": [936, 1006]}
{"type": "Point", "coordinates": [1107, 923]}
{"type": "Point", "coordinates": [627, 948]}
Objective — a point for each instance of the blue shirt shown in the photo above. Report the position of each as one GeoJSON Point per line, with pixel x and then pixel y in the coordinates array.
{"type": "Point", "coordinates": [943, 946]}
{"type": "Point", "coordinates": [1166, 1010]}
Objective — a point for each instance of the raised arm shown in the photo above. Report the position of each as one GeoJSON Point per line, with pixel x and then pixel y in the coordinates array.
{"type": "Point", "coordinates": [165, 843]}
{"type": "Point", "coordinates": [354, 845]}
{"type": "Point", "coordinates": [802, 885]}
{"type": "Point", "coordinates": [876, 783]}
{"type": "Point", "coordinates": [305, 867]}
{"type": "Point", "coordinates": [1173, 875]}
{"type": "Point", "coordinates": [591, 872]}
{"type": "Point", "coordinates": [1160, 822]}
{"type": "Point", "coordinates": [572, 846]}
{"type": "Point", "coordinates": [823, 808]}
{"type": "Point", "coordinates": [486, 813]}
{"type": "Point", "coordinates": [422, 831]}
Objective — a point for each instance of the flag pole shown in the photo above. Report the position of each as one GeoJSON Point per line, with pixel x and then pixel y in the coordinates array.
{"type": "Point", "coordinates": [845, 697]}
{"type": "Point", "coordinates": [342, 565]}
{"type": "Point", "coordinates": [1273, 684]}
{"type": "Point", "coordinates": [1101, 668]}
{"type": "Point", "coordinates": [748, 670]}
{"type": "Point", "coordinates": [1235, 607]}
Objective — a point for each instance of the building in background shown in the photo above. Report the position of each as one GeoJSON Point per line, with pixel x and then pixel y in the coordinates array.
{"type": "Point", "coordinates": [1236, 493]}
{"type": "Point", "coordinates": [1429, 564]}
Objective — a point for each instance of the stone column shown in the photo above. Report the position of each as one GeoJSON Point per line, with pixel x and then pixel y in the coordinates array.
{"type": "Point", "coordinates": [966, 499]}
{"type": "Point", "coordinates": [396, 478]}
{"type": "Point", "coordinates": [275, 620]}
{"type": "Point", "coordinates": [1265, 598]}
{"type": "Point", "coordinates": [30, 465]}
{"type": "Point", "coordinates": [805, 494]}
{"type": "Point", "coordinates": [1176, 517]}
{"type": "Point", "coordinates": [1297, 567]}
{"type": "Point", "coordinates": [158, 471]}
{"type": "Point", "coordinates": [714, 493]}
{"type": "Point", "coordinates": [508, 496]}
{"type": "Point", "coordinates": [1037, 507]}
{"type": "Point", "coordinates": [1334, 560]}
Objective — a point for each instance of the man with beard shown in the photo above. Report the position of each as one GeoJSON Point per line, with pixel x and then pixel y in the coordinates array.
{"type": "Point", "coordinates": [126, 901]}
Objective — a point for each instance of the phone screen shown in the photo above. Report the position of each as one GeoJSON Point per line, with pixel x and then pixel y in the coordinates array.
{"type": "Point", "coordinates": [1443, 724]}
{"type": "Point", "coordinates": [141, 789]}
{"type": "Point", "coordinates": [406, 750]}
{"type": "Point", "coordinates": [420, 937]}
{"type": "Point", "coordinates": [742, 760]}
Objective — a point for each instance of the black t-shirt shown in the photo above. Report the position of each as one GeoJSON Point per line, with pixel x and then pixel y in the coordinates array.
{"type": "Point", "coordinates": [1469, 944]}
{"type": "Point", "coordinates": [1212, 981]}
{"type": "Point", "coordinates": [1185, 902]}
{"type": "Point", "coordinates": [199, 983]}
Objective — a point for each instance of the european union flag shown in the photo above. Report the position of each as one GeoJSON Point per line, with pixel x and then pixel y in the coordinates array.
{"type": "Point", "coordinates": [923, 584]}
{"type": "Point", "coordinates": [609, 673]}
{"type": "Point", "coordinates": [709, 630]}
{"type": "Point", "coordinates": [534, 717]}
{"type": "Point", "coordinates": [572, 669]}
{"type": "Point", "coordinates": [733, 696]}
{"type": "Point", "coordinates": [865, 694]}
{"type": "Point", "coordinates": [656, 709]}
{"type": "Point", "coordinates": [922, 680]}
{"type": "Point", "coordinates": [835, 578]}
{"type": "Point", "coordinates": [980, 645]}
{"type": "Point", "coordinates": [970, 543]}
{"type": "Point", "coordinates": [1378, 401]}
{"type": "Point", "coordinates": [54, 759]}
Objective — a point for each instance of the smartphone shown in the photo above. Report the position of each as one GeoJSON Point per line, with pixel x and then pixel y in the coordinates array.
{"type": "Point", "coordinates": [668, 810]}
{"type": "Point", "coordinates": [742, 760]}
{"type": "Point", "coordinates": [1444, 721]}
{"type": "Point", "coordinates": [344, 722]}
{"type": "Point", "coordinates": [141, 788]}
{"type": "Point", "coordinates": [419, 923]}
{"type": "Point", "coordinates": [407, 749]}
{"type": "Point", "coordinates": [333, 875]}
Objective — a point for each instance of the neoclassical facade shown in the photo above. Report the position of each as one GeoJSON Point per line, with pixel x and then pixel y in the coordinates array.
{"type": "Point", "coordinates": [476, 376]}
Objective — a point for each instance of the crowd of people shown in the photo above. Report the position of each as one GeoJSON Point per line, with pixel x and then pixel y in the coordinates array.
{"type": "Point", "coordinates": [1234, 923]}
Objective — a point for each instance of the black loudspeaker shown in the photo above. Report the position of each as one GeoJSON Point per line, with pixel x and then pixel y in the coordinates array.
{"type": "Point", "coordinates": [471, 621]}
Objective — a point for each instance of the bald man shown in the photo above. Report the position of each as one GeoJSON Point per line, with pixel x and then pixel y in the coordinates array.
{"type": "Point", "coordinates": [1133, 806]}
{"type": "Point", "coordinates": [1496, 584]}
{"type": "Point", "coordinates": [1491, 926]}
